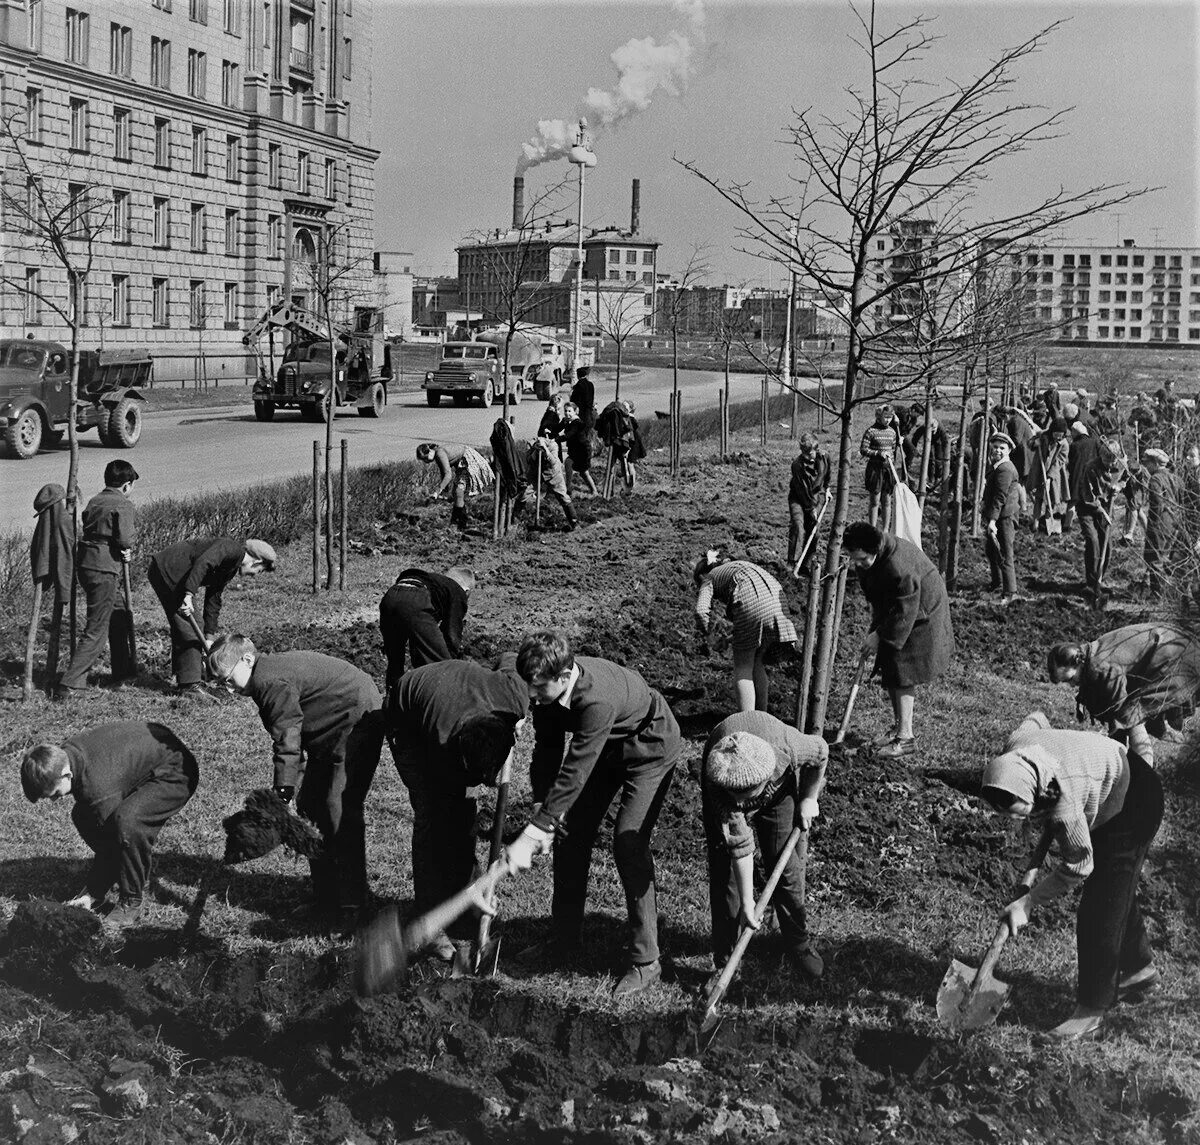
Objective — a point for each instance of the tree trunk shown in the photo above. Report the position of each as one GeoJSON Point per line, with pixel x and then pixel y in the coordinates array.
{"type": "Point", "coordinates": [674, 375]}
{"type": "Point", "coordinates": [926, 449]}
{"type": "Point", "coordinates": [981, 459]}
{"type": "Point", "coordinates": [331, 406]}
{"type": "Point", "coordinates": [73, 472]}
{"type": "Point", "coordinates": [951, 576]}
{"type": "Point", "coordinates": [725, 419]}
{"type": "Point", "coordinates": [617, 390]}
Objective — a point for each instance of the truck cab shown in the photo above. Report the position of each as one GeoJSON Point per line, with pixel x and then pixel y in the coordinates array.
{"type": "Point", "coordinates": [467, 370]}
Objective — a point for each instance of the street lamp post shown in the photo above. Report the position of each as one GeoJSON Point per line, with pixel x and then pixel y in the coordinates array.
{"type": "Point", "coordinates": [583, 157]}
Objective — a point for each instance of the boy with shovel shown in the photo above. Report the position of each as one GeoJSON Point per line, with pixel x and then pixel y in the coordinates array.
{"type": "Point", "coordinates": [761, 778]}
{"type": "Point", "coordinates": [1102, 806]}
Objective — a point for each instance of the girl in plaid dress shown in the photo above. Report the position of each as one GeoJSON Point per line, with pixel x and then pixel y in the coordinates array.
{"type": "Point", "coordinates": [753, 605]}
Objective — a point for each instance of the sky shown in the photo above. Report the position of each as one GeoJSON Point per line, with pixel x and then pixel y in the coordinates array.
{"type": "Point", "coordinates": [458, 89]}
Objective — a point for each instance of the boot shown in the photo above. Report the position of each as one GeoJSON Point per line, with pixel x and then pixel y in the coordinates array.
{"type": "Point", "coordinates": [637, 978]}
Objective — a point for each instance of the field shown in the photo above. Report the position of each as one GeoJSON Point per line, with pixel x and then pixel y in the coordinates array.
{"type": "Point", "coordinates": [225, 1018]}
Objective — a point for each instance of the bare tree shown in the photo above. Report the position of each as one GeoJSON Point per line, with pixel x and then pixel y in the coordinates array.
{"type": "Point", "coordinates": [906, 151]}
{"type": "Point", "coordinates": [676, 305]}
{"type": "Point", "coordinates": [620, 313]}
{"type": "Point", "coordinates": [512, 264]}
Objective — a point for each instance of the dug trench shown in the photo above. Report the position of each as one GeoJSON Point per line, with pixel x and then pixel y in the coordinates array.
{"type": "Point", "coordinates": [195, 1034]}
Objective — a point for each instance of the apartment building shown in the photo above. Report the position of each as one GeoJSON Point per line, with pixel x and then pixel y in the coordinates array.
{"type": "Point", "coordinates": [227, 143]}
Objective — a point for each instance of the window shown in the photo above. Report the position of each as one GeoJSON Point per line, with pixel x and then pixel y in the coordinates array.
{"type": "Point", "coordinates": [1106, 260]}
{"type": "Point", "coordinates": [199, 227]}
{"type": "Point", "coordinates": [79, 125]}
{"type": "Point", "coordinates": [198, 11]}
{"type": "Point", "coordinates": [77, 210]}
{"type": "Point", "coordinates": [614, 274]}
{"type": "Point", "coordinates": [1068, 260]}
{"type": "Point", "coordinates": [274, 165]}
{"type": "Point", "coordinates": [33, 114]}
{"type": "Point", "coordinates": [1104, 314]}
{"type": "Point", "coordinates": [162, 221]}
{"type": "Point", "coordinates": [232, 231]}
{"type": "Point", "coordinates": [1085, 260]}
{"type": "Point", "coordinates": [199, 150]}
{"type": "Point", "coordinates": [120, 217]}
{"type": "Point", "coordinates": [196, 314]}
{"type": "Point", "coordinates": [1172, 333]}
{"type": "Point", "coordinates": [1119, 296]}
{"type": "Point", "coordinates": [274, 294]}
{"type": "Point", "coordinates": [162, 142]}
{"type": "Point", "coordinates": [631, 256]}
{"type": "Point", "coordinates": [1105, 279]}
{"type": "Point", "coordinates": [1031, 260]}
{"type": "Point", "coordinates": [197, 74]}
{"type": "Point", "coordinates": [161, 302]}
{"type": "Point", "coordinates": [1137, 279]}
{"type": "Point", "coordinates": [1083, 296]}
{"type": "Point", "coordinates": [1081, 332]}
{"type": "Point", "coordinates": [1193, 334]}
{"type": "Point", "coordinates": [648, 257]}
{"type": "Point", "coordinates": [614, 256]}
{"type": "Point", "coordinates": [233, 158]}
{"type": "Point", "coordinates": [1135, 331]}
{"type": "Point", "coordinates": [631, 276]}
{"type": "Point", "coordinates": [233, 17]}
{"type": "Point", "coordinates": [302, 172]}
{"type": "Point", "coordinates": [33, 25]}
{"type": "Point", "coordinates": [1105, 295]}
{"type": "Point", "coordinates": [33, 297]}
{"type": "Point", "coordinates": [1047, 260]}
{"type": "Point", "coordinates": [120, 300]}
{"type": "Point", "coordinates": [1048, 277]}
{"type": "Point", "coordinates": [1122, 279]}
{"type": "Point", "coordinates": [230, 85]}
{"type": "Point", "coordinates": [347, 59]}
{"type": "Point", "coordinates": [120, 50]}
{"type": "Point", "coordinates": [1173, 297]}
{"type": "Point", "coordinates": [162, 5]}
{"type": "Point", "coordinates": [1122, 260]}
{"type": "Point", "coordinates": [1135, 316]}
{"type": "Point", "coordinates": [1119, 314]}
{"type": "Point", "coordinates": [231, 306]}
{"type": "Point", "coordinates": [160, 63]}
{"type": "Point", "coordinates": [1135, 296]}
{"type": "Point", "coordinates": [1118, 331]}
{"type": "Point", "coordinates": [648, 277]}
{"type": "Point", "coordinates": [121, 133]}
{"type": "Point", "coordinates": [330, 179]}
{"type": "Point", "coordinates": [274, 236]}
{"type": "Point", "coordinates": [1102, 331]}
{"type": "Point", "coordinates": [1139, 260]}
{"type": "Point", "coordinates": [349, 184]}
{"type": "Point", "coordinates": [1160, 260]}
{"type": "Point", "coordinates": [78, 32]}
{"type": "Point", "coordinates": [1176, 261]}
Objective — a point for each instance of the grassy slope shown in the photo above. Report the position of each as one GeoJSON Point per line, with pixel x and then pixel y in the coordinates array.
{"type": "Point", "coordinates": [905, 871]}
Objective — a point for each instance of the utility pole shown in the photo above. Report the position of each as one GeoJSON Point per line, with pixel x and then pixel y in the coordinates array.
{"type": "Point", "coordinates": [583, 157]}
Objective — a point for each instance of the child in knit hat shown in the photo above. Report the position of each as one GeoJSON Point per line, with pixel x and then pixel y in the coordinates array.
{"type": "Point", "coordinates": [1102, 807]}
{"type": "Point", "coordinates": [760, 778]}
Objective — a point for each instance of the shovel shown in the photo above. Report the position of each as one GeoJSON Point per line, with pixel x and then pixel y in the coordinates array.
{"type": "Point", "coordinates": [133, 656]}
{"type": "Point", "coordinates": [712, 1007]}
{"type": "Point", "coordinates": [204, 641]}
{"type": "Point", "coordinates": [860, 674]}
{"type": "Point", "coordinates": [483, 957]}
{"type": "Point", "coordinates": [384, 946]}
{"type": "Point", "coordinates": [970, 999]}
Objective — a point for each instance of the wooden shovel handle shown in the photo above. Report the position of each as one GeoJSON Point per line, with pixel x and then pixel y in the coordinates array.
{"type": "Point", "coordinates": [718, 991]}
{"type": "Point", "coordinates": [422, 929]}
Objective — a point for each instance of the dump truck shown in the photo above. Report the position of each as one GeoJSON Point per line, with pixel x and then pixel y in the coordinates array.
{"type": "Point", "coordinates": [363, 363]}
{"type": "Point", "coordinates": [468, 370]}
{"type": "Point", "coordinates": [35, 394]}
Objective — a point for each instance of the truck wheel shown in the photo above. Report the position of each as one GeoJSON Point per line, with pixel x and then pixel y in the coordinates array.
{"type": "Point", "coordinates": [375, 409]}
{"type": "Point", "coordinates": [488, 396]}
{"type": "Point", "coordinates": [515, 396]}
{"type": "Point", "coordinates": [264, 411]}
{"type": "Point", "coordinates": [541, 391]}
{"type": "Point", "coordinates": [125, 424]}
{"type": "Point", "coordinates": [24, 436]}
{"type": "Point", "coordinates": [316, 411]}
{"type": "Point", "coordinates": [433, 397]}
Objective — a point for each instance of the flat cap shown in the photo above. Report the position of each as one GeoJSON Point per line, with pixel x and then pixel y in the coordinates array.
{"type": "Point", "coordinates": [48, 495]}
{"type": "Point", "coordinates": [740, 761]}
{"type": "Point", "coordinates": [261, 551]}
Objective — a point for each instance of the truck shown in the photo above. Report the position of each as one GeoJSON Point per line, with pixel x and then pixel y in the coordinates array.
{"type": "Point", "coordinates": [35, 394]}
{"type": "Point", "coordinates": [472, 369]}
{"type": "Point", "coordinates": [362, 361]}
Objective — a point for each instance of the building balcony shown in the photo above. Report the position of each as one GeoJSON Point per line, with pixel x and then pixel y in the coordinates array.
{"type": "Point", "coordinates": [301, 61]}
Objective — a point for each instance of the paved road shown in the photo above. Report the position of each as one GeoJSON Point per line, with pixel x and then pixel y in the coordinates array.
{"type": "Point", "coordinates": [190, 450]}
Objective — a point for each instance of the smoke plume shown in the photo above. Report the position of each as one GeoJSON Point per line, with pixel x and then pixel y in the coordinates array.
{"type": "Point", "coordinates": [644, 67]}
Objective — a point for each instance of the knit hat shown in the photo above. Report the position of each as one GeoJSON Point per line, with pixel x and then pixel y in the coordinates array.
{"type": "Point", "coordinates": [740, 762]}
{"type": "Point", "coordinates": [260, 550]}
{"type": "Point", "coordinates": [1070, 411]}
{"type": "Point", "coordinates": [1079, 428]}
{"type": "Point", "coordinates": [1158, 455]}
{"type": "Point", "coordinates": [1024, 772]}
{"type": "Point", "coordinates": [48, 495]}
{"type": "Point", "coordinates": [1002, 439]}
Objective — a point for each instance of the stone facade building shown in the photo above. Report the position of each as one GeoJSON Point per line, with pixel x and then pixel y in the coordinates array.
{"type": "Point", "coordinates": [220, 143]}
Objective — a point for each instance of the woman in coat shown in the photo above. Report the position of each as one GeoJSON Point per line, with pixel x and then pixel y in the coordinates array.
{"type": "Point", "coordinates": [1048, 479]}
{"type": "Point", "coordinates": [911, 636]}
{"type": "Point", "coordinates": [1137, 680]}
{"type": "Point", "coordinates": [753, 605]}
{"type": "Point", "coordinates": [1164, 501]}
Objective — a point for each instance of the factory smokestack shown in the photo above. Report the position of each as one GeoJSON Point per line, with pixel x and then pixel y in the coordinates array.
{"type": "Point", "coordinates": [635, 208]}
{"type": "Point", "coordinates": [518, 203]}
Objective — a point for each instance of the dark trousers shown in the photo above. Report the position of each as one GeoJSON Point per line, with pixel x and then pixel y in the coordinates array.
{"type": "Point", "coordinates": [443, 833]}
{"type": "Point", "coordinates": [1002, 557]}
{"type": "Point", "coordinates": [642, 787]}
{"type": "Point", "coordinates": [124, 841]}
{"type": "Point", "coordinates": [1095, 544]}
{"type": "Point", "coordinates": [1109, 932]}
{"type": "Point", "coordinates": [187, 653]}
{"type": "Point", "coordinates": [409, 623]}
{"type": "Point", "coordinates": [333, 791]}
{"type": "Point", "coordinates": [772, 826]}
{"type": "Point", "coordinates": [803, 520]}
{"type": "Point", "coordinates": [107, 620]}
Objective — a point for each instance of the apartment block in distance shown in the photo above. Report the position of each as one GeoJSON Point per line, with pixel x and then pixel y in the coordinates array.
{"type": "Point", "coordinates": [225, 140]}
{"type": "Point", "coordinates": [1113, 295]}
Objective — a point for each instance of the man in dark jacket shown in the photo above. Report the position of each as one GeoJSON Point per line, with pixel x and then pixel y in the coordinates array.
{"type": "Point", "coordinates": [109, 534]}
{"type": "Point", "coordinates": [1001, 507]}
{"type": "Point", "coordinates": [807, 494]}
{"type": "Point", "coordinates": [423, 612]}
{"type": "Point", "coordinates": [325, 721]}
{"type": "Point", "coordinates": [624, 741]}
{"type": "Point", "coordinates": [128, 780]}
{"type": "Point", "coordinates": [178, 572]}
{"type": "Point", "coordinates": [451, 727]}
{"type": "Point", "coordinates": [911, 636]}
{"type": "Point", "coordinates": [1087, 466]}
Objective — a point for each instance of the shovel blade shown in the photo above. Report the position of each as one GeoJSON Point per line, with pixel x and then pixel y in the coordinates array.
{"type": "Point", "coordinates": [487, 958]}
{"type": "Point", "coordinates": [382, 954]}
{"type": "Point", "coordinates": [965, 1003]}
{"type": "Point", "coordinates": [463, 963]}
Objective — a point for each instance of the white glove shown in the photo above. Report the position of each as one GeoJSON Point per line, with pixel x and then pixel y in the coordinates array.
{"type": "Point", "coordinates": [519, 854]}
{"type": "Point", "coordinates": [185, 609]}
{"type": "Point", "coordinates": [1016, 914]}
{"type": "Point", "coordinates": [809, 810]}
{"type": "Point", "coordinates": [84, 900]}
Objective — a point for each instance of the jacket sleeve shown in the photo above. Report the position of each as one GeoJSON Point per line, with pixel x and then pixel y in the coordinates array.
{"type": "Point", "coordinates": [896, 624]}
{"type": "Point", "coordinates": [549, 743]}
{"type": "Point", "coordinates": [594, 724]}
{"type": "Point", "coordinates": [452, 626]}
{"type": "Point", "coordinates": [823, 462]}
{"type": "Point", "coordinates": [866, 447]}
{"type": "Point", "coordinates": [208, 560]}
{"type": "Point", "coordinates": [1000, 481]}
{"type": "Point", "coordinates": [125, 526]}
{"type": "Point", "coordinates": [704, 600]}
{"type": "Point", "coordinates": [1075, 860]}
{"type": "Point", "coordinates": [282, 716]}
{"type": "Point", "coordinates": [810, 758]}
